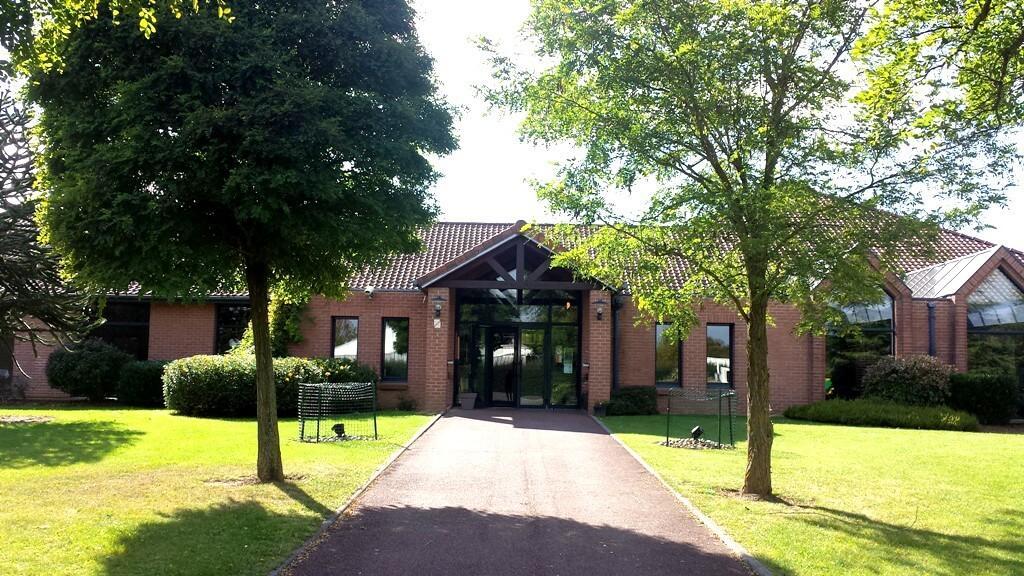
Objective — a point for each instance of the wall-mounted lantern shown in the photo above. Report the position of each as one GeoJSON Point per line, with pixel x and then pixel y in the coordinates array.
{"type": "Point", "coordinates": [438, 306]}
{"type": "Point", "coordinates": [600, 304]}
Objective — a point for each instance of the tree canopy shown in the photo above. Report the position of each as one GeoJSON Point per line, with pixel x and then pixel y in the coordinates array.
{"type": "Point", "coordinates": [784, 171]}
{"type": "Point", "coordinates": [285, 148]}
{"type": "Point", "coordinates": [36, 306]}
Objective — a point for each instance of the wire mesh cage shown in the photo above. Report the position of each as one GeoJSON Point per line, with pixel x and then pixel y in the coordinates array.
{"type": "Point", "coordinates": [701, 419]}
{"type": "Point", "coordinates": [330, 411]}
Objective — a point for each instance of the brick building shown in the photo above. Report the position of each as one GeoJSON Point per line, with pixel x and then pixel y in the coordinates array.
{"type": "Point", "coordinates": [482, 310]}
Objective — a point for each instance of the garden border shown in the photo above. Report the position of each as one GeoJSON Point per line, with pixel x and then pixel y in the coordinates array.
{"type": "Point", "coordinates": [753, 563]}
{"type": "Point", "coordinates": [282, 568]}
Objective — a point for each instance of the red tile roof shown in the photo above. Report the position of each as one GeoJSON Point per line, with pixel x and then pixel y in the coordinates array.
{"type": "Point", "coordinates": [446, 241]}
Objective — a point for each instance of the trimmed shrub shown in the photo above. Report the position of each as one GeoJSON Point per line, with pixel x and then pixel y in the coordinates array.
{"type": "Point", "coordinates": [90, 369]}
{"type": "Point", "coordinates": [226, 385]}
{"type": "Point", "coordinates": [914, 380]}
{"type": "Point", "coordinates": [848, 378]}
{"type": "Point", "coordinates": [140, 383]}
{"type": "Point", "coordinates": [632, 401]}
{"type": "Point", "coordinates": [881, 413]}
{"type": "Point", "coordinates": [990, 396]}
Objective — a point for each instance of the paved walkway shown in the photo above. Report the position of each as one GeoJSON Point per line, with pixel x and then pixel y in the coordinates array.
{"type": "Point", "coordinates": [496, 492]}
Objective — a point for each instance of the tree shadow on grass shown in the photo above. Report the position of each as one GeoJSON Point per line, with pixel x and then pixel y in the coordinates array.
{"type": "Point", "coordinates": [951, 554]}
{"type": "Point", "coordinates": [61, 443]}
{"type": "Point", "coordinates": [455, 540]}
{"type": "Point", "coordinates": [234, 538]}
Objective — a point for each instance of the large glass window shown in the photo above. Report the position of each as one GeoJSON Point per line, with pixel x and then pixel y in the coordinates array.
{"type": "Point", "coordinates": [719, 364]}
{"type": "Point", "coordinates": [232, 320]}
{"type": "Point", "coordinates": [395, 361]}
{"type": "Point", "coordinates": [666, 357]}
{"type": "Point", "coordinates": [866, 334]}
{"type": "Point", "coordinates": [345, 339]}
{"type": "Point", "coordinates": [995, 329]}
{"type": "Point", "coordinates": [126, 326]}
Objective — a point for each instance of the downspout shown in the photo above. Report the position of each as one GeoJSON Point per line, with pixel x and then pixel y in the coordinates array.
{"type": "Point", "coordinates": [931, 330]}
{"type": "Point", "coordinates": [616, 304]}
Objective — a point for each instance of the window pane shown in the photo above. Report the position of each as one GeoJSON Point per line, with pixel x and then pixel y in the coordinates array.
{"type": "Point", "coordinates": [719, 354]}
{"type": "Point", "coordinates": [998, 353]}
{"type": "Point", "coordinates": [346, 338]}
{"type": "Point", "coordinates": [666, 357]}
{"type": "Point", "coordinates": [232, 320]}
{"type": "Point", "coordinates": [396, 349]}
{"type": "Point", "coordinates": [996, 302]}
{"type": "Point", "coordinates": [126, 326]}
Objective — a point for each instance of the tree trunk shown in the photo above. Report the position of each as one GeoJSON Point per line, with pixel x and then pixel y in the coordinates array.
{"type": "Point", "coordinates": [758, 477]}
{"type": "Point", "coordinates": [268, 455]}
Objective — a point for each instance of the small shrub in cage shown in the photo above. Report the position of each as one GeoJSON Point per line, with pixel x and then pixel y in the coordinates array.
{"type": "Point", "coordinates": [337, 411]}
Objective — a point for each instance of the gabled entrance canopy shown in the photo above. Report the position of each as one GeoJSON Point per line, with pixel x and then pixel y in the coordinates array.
{"type": "Point", "coordinates": [510, 260]}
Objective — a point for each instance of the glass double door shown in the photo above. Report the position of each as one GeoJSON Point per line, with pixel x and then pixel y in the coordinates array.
{"type": "Point", "coordinates": [531, 366]}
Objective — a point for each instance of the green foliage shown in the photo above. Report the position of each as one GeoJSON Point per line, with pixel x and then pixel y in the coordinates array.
{"type": "Point", "coordinates": [90, 369]}
{"type": "Point", "coordinates": [304, 156]}
{"type": "Point", "coordinates": [914, 380]}
{"type": "Point", "coordinates": [991, 396]}
{"type": "Point", "coordinates": [885, 414]}
{"type": "Point", "coordinates": [286, 320]}
{"type": "Point", "coordinates": [848, 375]}
{"type": "Point", "coordinates": [633, 401]}
{"type": "Point", "coordinates": [226, 385]}
{"type": "Point", "coordinates": [140, 383]}
{"type": "Point", "coordinates": [967, 56]}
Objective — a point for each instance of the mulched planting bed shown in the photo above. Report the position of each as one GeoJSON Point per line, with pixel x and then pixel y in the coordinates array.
{"type": "Point", "coordinates": [699, 444]}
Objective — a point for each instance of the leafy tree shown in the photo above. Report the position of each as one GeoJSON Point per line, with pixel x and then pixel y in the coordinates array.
{"type": "Point", "coordinates": [285, 149]}
{"type": "Point", "coordinates": [778, 175]}
{"type": "Point", "coordinates": [35, 305]}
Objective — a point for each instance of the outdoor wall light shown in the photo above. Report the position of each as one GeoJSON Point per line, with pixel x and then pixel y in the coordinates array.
{"type": "Point", "coordinates": [438, 301]}
{"type": "Point", "coordinates": [600, 309]}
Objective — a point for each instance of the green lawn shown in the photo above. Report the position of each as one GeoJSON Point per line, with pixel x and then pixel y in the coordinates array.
{"type": "Point", "coordinates": [858, 500]}
{"type": "Point", "coordinates": [119, 492]}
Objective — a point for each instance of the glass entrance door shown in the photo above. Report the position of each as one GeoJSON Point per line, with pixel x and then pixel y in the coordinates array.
{"type": "Point", "coordinates": [502, 373]}
{"type": "Point", "coordinates": [533, 354]}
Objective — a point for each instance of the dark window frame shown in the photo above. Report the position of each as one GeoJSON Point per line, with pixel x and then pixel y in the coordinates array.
{"type": "Point", "coordinates": [679, 361]}
{"type": "Point", "coordinates": [383, 333]}
{"type": "Point", "coordinates": [114, 324]}
{"type": "Point", "coordinates": [216, 321]}
{"type": "Point", "coordinates": [332, 343]}
{"type": "Point", "coordinates": [731, 384]}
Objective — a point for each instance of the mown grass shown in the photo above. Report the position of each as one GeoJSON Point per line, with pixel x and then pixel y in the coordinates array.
{"type": "Point", "coordinates": [857, 500]}
{"type": "Point", "coordinates": [127, 492]}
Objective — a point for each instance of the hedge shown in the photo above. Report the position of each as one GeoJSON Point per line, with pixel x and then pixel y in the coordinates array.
{"type": "Point", "coordinates": [226, 385]}
{"type": "Point", "coordinates": [140, 383]}
{"type": "Point", "coordinates": [914, 380]}
{"type": "Point", "coordinates": [90, 369]}
{"type": "Point", "coordinates": [885, 414]}
{"type": "Point", "coordinates": [632, 401]}
{"type": "Point", "coordinates": [992, 397]}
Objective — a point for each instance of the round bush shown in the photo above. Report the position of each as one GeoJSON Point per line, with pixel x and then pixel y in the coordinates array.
{"type": "Point", "coordinates": [226, 385]}
{"type": "Point", "coordinates": [990, 396]}
{"type": "Point", "coordinates": [914, 380]}
{"type": "Point", "coordinates": [639, 400]}
{"type": "Point", "coordinates": [141, 384]}
{"type": "Point", "coordinates": [90, 369]}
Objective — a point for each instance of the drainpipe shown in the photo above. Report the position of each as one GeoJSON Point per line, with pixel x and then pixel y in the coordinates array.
{"type": "Point", "coordinates": [616, 305]}
{"type": "Point", "coordinates": [931, 329]}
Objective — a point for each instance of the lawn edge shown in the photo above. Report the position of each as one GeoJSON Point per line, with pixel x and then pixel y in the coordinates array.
{"type": "Point", "coordinates": [753, 563]}
{"type": "Point", "coordinates": [330, 520]}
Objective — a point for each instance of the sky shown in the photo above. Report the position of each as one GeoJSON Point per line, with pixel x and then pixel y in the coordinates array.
{"type": "Point", "coordinates": [487, 178]}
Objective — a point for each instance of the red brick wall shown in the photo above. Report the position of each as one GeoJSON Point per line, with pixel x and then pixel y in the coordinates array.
{"type": "Point", "coordinates": [429, 348]}
{"type": "Point", "coordinates": [596, 345]}
{"type": "Point", "coordinates": [796, 363]}
{"type": "Point", "coordinates": [181, 330]}
{"type": "Point", "coordinates": [33, 381]}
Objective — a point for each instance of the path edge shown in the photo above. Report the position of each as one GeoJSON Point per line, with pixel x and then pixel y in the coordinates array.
{"type": "Point", "coordinates": [330, 520]}
{"type": "Point", "coordinates": [753, 563]}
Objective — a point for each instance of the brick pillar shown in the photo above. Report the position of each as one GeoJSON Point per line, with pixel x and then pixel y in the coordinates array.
{"type": "Point", "coordinates": [598, 352]}
{"type": "Point", "coordinates": [437, 386]}
{"type": "Point", "coordinates": [959, 330]}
